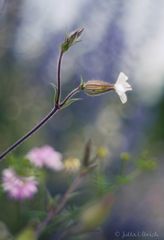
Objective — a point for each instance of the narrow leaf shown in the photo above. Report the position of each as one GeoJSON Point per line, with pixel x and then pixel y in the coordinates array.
{"type": "Point", "coordinates": [70, 101]}
{"type": "Point", "coordinates": [55, 90]}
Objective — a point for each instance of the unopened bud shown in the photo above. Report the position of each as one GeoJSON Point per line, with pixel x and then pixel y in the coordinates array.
{"type": "Point", "coordinates": [71, 39]}
{"type": "Point", "coordinates": [96, 87]}
{"type": "Point", "coordinates": [102, 152]}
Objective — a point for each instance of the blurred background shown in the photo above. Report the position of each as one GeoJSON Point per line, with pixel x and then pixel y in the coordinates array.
{"type": "Point", "coordinates": [119, 36]}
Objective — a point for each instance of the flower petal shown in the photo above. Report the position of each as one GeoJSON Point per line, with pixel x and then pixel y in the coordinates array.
{"type": "Point", "coordinates": [123, 98]}
{"type": "Point", "coordinates": [18, 187]}
{"type": "Point", "coordinates": [122, 86]}
{"type": "Point", "coordinates": [46, 156]}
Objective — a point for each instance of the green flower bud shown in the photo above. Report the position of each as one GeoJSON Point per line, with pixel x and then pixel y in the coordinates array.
{"type": "Point", "coordinates": [71, 39]}
{"type": "Point", "coordinates": [96, 87]}
{"type": "Point", "coordinates": [102, 152]}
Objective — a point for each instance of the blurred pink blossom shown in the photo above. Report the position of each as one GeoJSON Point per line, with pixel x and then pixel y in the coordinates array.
{"type": "Point", "coordinates": [46, 156]}
{"type": "Point", "coordinates": [18, 187]}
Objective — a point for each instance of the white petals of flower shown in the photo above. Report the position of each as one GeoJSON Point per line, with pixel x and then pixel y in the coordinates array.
{"type": "Point", "coordinates": [122, 86]}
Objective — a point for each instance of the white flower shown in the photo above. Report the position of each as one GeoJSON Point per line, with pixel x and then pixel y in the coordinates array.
{"type": "Point", "coordinates": [121, 86]}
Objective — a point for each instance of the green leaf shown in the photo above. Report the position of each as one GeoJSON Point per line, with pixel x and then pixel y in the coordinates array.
{"type": "Point", "coordinates": [52, 202]}
{"type": "Point", "coordinates": [34, 214]}
{"type": "Point", "coordinates": [53, 86]}
{"type": "Point", "coordinates": [101, 184]}
{"type": "Point", "coordinates": [21, 165]}
{"type": "Point", "coordinates": [122, 180]}
{"type": "Point", "coordinates": [55, 90]}
{"type": "Point", "coordinates": [81, 82]}
{"type": "Point", "coordinates": [146, 165]}
{"type": "Point", "coordinates": [63, 220]}
{"type": "Point", "coordinates": [74, 194]}
{"type": "Point", "coordinates": [70, 101]}
{"type": "Point", "coordinates": [146, 162]}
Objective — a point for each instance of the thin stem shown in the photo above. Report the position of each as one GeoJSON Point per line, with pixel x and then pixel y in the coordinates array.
{"type": "Point", "coordinates": [29, 134]}
{"type": "Point", "coordinates": [59, 80]}
{"type": "Point", "coordinates": [71, 94]}
{"type": "Point", "coordinates": [53, 212]}
{"type": "Point", "coordinates": [45, 119]}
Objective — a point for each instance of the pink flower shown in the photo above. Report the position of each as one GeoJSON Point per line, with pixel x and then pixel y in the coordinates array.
{"type": "Point", "coordinates": [46, 156]}
{"type": "Point", "coordinates": [18, 187]}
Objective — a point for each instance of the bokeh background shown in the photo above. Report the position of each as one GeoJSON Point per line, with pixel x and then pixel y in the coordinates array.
{"type": "Point", "coordinates": [119, 36]}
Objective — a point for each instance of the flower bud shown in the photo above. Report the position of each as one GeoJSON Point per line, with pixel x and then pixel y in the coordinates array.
{"type": "Point", "coordinates": [72, 164]}
{"type": "Point", "coordinates": [102, 152]}
{"type": "Point", "coordinates": [71, 39]}
{"type": "Point", "coordinates": [96, 87]}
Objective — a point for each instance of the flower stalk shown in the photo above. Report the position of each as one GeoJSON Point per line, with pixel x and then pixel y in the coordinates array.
{"type": "Point", "coordinates": [83, 172]}
{"type": "Point", "coordinates": [30, 133]}
{"type": "Point", "coordinates": [92, 87]}
{"type": "Point", "coordinates": [54, 211]}
{"type": "Point", "coordinates": [57, 101]}
{"type": "Point", "coordinates": [69, 41]}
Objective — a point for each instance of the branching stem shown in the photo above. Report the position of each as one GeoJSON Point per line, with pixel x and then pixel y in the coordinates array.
{"type": "Point", "coordinates": [53, 212]}
{"type": "Point", "coordinates": [56, 108]}
{"type": "Point", "coordinates": [71, 94]}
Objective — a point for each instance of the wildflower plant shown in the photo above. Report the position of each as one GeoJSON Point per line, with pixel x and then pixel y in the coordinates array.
{"type": "Point", "coordinates": [23, 179]}
{"type": "Point", "coordinates": [91, 87]}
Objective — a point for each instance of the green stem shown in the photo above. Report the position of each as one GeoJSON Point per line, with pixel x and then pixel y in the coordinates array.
{"type": "Point", "coordinates": [53, 212]}
{"type": "Point", "coordinates": [56, 108]}
{"type": "Point", "coordinates": [45, 119]}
